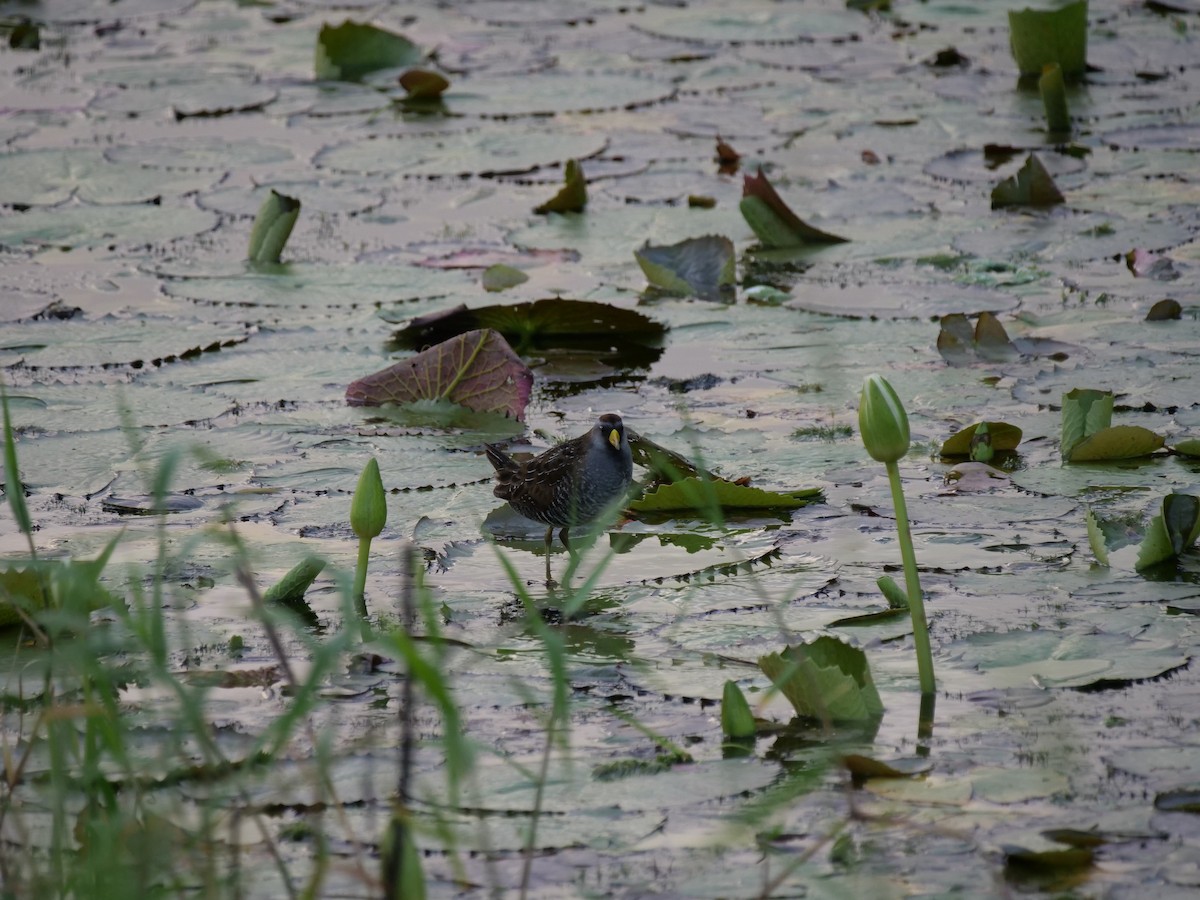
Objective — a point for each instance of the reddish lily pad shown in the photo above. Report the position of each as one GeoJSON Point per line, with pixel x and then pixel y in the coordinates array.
{"type": "Point", "coordinates": [478, 370]}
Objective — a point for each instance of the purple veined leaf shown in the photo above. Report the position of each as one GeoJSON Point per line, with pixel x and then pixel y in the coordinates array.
{"type": "Point", "coordinates": [477, 369]}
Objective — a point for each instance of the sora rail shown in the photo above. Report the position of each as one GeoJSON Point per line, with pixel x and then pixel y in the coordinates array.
{"type": "Point", "coordinates": [572, 482]}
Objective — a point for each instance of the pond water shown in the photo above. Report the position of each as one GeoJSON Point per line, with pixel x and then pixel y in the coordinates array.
{"type": "Point", "coordinates": [139, 141]}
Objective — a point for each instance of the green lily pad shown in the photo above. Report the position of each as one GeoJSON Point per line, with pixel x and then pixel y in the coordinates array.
{"type": "Point", "coordinates": [351, 50]}
{"type": "Point", "coordinates": [1187, 447]}
{"type": "Point", "coordinates": [88, 226]}
{"type": "Point", "coordinates": [1084, 412]}
{"type": "Point", "coordinates": [1117, 442]}
{"type": "Point", "coordinates": [48, 586]}
{"type": "Point", "coordinates": [700, 495]}
{"type": "Point", "coordinates": [1004, 437]}
{"type": "Point", "coordinates": [862, 767]}
{"type": "Point", "coordinates": [478, 370]}
{"type": "Point", "coordinates": [825, 679]}
{"type": "Point", "coordinates": [1172, 531]}
{"type": "Point", "coordinates": [702, 267]}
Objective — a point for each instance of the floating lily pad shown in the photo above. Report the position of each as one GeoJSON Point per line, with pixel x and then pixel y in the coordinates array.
{"type": "Point", "coordinates": [698, 495]}
{"type": "Point", "coordinates": [478, 370]}
{"type": "Point", "coordinates": [1049, 659]}
{"type": "Point", "coordinates": [89, 226]}
{"type": "Point", "coordinates": [50, 177]}
{"type": "Point", "coordinates": [500, 277]}
{"type": "Point", "coordinates": [701, 267]}
{"type": "Point", "coordinates": [421, 84]}
{"type": "Point", "coordinates": [553, 93]}
{"type": "Point", "coordinates": [1172, 531]}
{"type": "Point", "coordinates": [495, 150]}
{"type": "Point", "coordinates": [541, 323]}
{"type": "Point", "coordinates": [902, 300]}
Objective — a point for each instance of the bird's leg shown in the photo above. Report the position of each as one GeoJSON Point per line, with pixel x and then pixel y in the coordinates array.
{"type": "Point", "coordinates": [566, 543]}
{"type": "Point", "coordinates": [549, 541]}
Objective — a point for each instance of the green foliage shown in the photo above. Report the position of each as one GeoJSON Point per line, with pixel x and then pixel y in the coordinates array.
{"type": "Point", "coordinates": [501, 277]}
{"type": "Point", "coordinates": [825, 679]}
{"type": "Point", "coordinates": [1003, 437]}
{"type": "Point", "coordinates": [1054, 99]}
{"type": "Point", "coordinates": [773, 222]}
{"type": "Point", "coordinates": [351, 50]}
{"type": "Point", "coordinates": [737, 721]}
{"type": "Point", "coordinates": [290, 589]}
{"type": "Point", "coordinates": [1031, 186]}
{"type": "Point", "coordinates": [572, 198]}
{"type": "Point", "coordinates": [704, 267]}
{"type": "Point", "coordinates": [1041, 37]}
{"type": "Point", "coordinates": [272, 227]}
{"type": "Point", "coordinates": [1172, 531]}
{"type": "Point", "coordinates": [1088, 436]}
{"type": "Point", "coordinates": [696, 495]}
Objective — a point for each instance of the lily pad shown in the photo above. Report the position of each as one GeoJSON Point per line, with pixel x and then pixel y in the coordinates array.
{"type": "Point", "coordinates": [825, 679]}
{"type": "Point", "coordinates": [421, 84]}
{"type": "Point", "coordinates": [549, 322]}
{"type": "Point", "coordinates": [478, 370]}
{"type": "Point", "coordinates": [1004, 437]}
{"type": "Point", "coordinates": [700, 495]}
{"type": "Point", "coordinates": [351, 50]}
{"type": "Point", "coordinates": [1041, 37]}
{"type": "Point", "coordinates": [773, 221]}
{"type": "Point", "coordinates": [572, 197]}
{"type": "Point", "coordinates": [1031, 186]}
{"type": "Point", "coordinates": [88, 226]}
{"type": "Point", "coordinates": [1172, 531]}
{"type": "Point", "coordinates": [959, 344]}
{"type": "Point", "coordinates": [1117, 442]}
{"type": "Point", "coordinates": [702, 267]}
{"type": "Point", "coordinates": [500, 277]}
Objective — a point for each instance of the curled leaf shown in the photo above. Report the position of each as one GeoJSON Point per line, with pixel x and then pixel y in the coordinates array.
{"type": "Point", "coordinates": [702, 267]}
{"type": "Point", "coordinates": [700, 495]}
{"type": "Point", "coordinates": [1003, 436]}
{"type": "Point", "coordinates": [272, 227]}
{"type": "Point", "coordinates": [478, 370]}
{"type": "Point", "coordinates": [1041, 37]}
{"type": "Point", "coordinates": [421, 84]}
{"type": "Point", "coordinates": [825, 679]}
{"type": "Point", "coordinates": [773, 221]}
{"type": "Point", "coordinates": [351, 50]}
{"type": "Point", "coordinates": [1031, 186]}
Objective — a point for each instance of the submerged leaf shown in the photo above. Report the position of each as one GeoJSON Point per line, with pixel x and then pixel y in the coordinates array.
{"type": "Point", "coordinates": [1041, 37]}
{"type": "Point", "coordinates": [573, 195]}
{"type": "Point", "coordinates": [703, 267]}
{"type": "Point", "coordinates": [825, 679]}
{"type": "Point", "coordinates": [500, 277]}
{"type": "Point", "coordinates": [773, 221]}
{"type": "Point", "coordinates": [1096, 538]}
{"type": "Point", "coordinates": [478, 370]}
{"type": "Point", "coordinates": [351, 50]}
{"type": "Point", "coordinates": [700, 495]}
{"type": "Point", "coordinates": [1031, 186]}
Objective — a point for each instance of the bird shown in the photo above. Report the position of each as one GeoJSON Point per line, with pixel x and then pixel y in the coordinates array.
{"type": "Point", "coordinates": [571, 483]}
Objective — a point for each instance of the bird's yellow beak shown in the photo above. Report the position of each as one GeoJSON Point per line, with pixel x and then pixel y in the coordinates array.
{"type": "Point", "coordinates": [614, 438]}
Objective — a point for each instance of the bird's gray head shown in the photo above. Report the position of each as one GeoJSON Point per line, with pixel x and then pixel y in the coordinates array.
{"type": "Point", "coordinates": [610, 430]}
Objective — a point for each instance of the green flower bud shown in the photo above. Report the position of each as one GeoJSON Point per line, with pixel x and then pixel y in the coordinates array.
{"type": "Point", "coordinates": [882, 420]}
{"type": "Point", "coordinates": [368, 509]}
{"type": "Point", "coordinates": [736, 719]}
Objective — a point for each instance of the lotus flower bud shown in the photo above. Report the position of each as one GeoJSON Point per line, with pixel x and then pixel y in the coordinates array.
{"type": "Point", "coordinates": [882, 421]}
{"type": "Point", "coordinates": [368, 509]}
{"type": "Point", "coordinates": [736, 719]}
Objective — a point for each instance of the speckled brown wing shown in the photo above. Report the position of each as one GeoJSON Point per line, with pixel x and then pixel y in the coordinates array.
{"type": "Point", "coordinates": [540, 488]}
